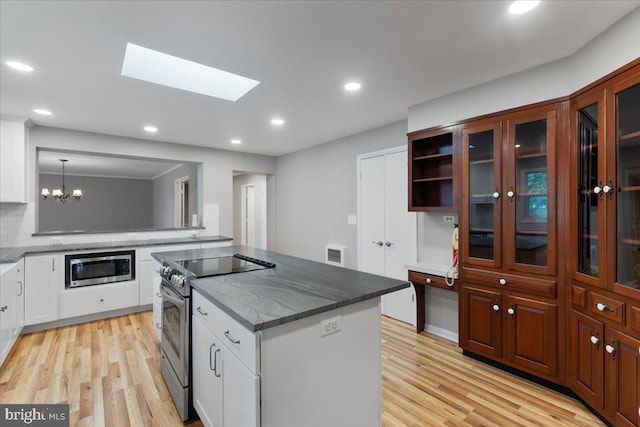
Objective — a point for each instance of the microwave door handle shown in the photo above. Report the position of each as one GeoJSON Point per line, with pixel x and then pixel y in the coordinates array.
{"type": "Point", "coordinates": [172, 299]}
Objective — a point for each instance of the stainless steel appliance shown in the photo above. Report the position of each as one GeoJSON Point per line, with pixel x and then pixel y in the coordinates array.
{"type": "Point", "coordinates": [175, 341]}
{"type": "Point", "coordinates": [99, 267]}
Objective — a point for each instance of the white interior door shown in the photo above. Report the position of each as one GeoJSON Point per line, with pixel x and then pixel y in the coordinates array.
{"type": "Point", "coordinates": [400, 237]}
{"type": "Point", "coordinates": [372, 215]}
{"type": "Point", "coordinates": [248, 215]}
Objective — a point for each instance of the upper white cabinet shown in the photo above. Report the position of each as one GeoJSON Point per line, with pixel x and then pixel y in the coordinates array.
{"type": "Point", "coordinates": [12, 162]}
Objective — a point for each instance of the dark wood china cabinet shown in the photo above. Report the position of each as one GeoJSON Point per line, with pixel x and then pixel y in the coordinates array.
{"type": "Point", "coordinates": [604, 359]}
{"type": "Point", "coordinates": [508, 301]}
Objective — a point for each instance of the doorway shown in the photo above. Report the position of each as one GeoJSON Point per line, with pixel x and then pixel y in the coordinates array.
{"type": "Point", "coordinates": [182, 202]}
{"type": "Point", "coordinates": [250, 210]}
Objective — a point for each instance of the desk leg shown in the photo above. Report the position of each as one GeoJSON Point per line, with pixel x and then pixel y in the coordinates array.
{"type": "Point", "coordinates": [420, 307]}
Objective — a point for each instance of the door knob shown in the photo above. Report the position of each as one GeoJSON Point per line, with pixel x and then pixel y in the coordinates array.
{"type": "Point", "coordinates": [388, 244]}
{"type": "Point", "coordinates": [379, 243]}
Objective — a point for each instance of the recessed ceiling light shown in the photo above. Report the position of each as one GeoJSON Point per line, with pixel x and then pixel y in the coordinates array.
{"type": "Point", "coordinates": [151, 129]}
{"type": "Point", "coordinates": [20, 66]}
{"type": "Point", "coordinates": [42, 111]}
{"type": "Point", "coordinates": [159, 68]}
{"type": "Point", "coordinates": [352, 86]}
{"type": "Point", "coordinates": [236, 141]}
{"type": "Point", "coordinates": [277, 121]}
{"type": "Point", "coordinates": [522, 6]}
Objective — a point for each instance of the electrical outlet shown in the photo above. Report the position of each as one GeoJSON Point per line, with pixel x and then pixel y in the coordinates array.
{"type": "Point", "coordinates": [330, 326]}
{"type": "Point", "coordinates": [449, 218]}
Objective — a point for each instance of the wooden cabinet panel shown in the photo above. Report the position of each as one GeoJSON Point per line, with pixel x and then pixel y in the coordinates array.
{"type": "Point", "coordinates": [579, 296]}
{"type": "Point", "coordinates": [609, 308]}
{"type": "Point", "coordinates": [622, 361]}
{"type": "Point", "coordinates": [635, 318]}
{"type": "Point", "coordinates": [512, 282]}
{"type": "Point", "coordinates": [481, 329]}
{"type": "Point", "coordinates": [586, 365]}
{"type": "Point", "coordinates": [532, 337]}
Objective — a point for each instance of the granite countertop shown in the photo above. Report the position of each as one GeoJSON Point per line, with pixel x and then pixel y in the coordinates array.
{"type": "Point", "coordinates": [11, 255]}
{"type": "Point", "coordinates": [429, 268]}
{"type": "Point", "coordinates": [294, 289]}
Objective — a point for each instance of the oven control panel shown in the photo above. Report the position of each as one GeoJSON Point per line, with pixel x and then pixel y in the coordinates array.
{"type": "Point", "coordinates": [173, 276]}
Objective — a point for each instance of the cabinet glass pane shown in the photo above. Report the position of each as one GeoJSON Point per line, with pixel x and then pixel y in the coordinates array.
{"type": "Point", "coordinates": [628, 206]}
{"type": "Point", "coordinates": [588, 200]}
{"type": "Point", "coordinates": [481, 203]}
{"type": "Point", "coordinates": [531, 193]}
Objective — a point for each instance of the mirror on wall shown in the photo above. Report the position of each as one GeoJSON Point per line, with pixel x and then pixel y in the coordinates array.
{"type": "Point", "coordinates": [109, 193]}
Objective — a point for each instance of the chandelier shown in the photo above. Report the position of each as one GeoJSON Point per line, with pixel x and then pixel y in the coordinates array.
{"type": "Point", "coordinates": [61, 195]}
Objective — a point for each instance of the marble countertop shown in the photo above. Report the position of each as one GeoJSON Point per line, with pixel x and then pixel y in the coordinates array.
{"type": "Point", "coordinates": [11, 255]}
{"type": "Point", "coordinates": [294, 289]}
{"type": "Point", "coordinates": [428, 268]}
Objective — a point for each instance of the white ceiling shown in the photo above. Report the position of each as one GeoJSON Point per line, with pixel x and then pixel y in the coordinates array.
{"type": "Point", "coordinates": [403, 52]}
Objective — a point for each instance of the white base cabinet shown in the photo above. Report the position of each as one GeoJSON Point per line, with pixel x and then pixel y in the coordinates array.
{"type": "Point", "coordinates": [44, 280]}
{"type": "Point", "coordinates": [11, 307]}
{"type": "Point", "coordinates": [289, 375]}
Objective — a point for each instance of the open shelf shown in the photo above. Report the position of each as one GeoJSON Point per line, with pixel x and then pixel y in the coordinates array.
{"type": "Point", "coordinates": [438, 178]}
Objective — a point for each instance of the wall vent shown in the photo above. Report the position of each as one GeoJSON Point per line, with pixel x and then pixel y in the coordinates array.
{"type": "Point", "coordinates": [334, 255]}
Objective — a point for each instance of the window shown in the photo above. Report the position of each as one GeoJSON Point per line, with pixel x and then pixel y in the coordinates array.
{"type": "Point", "coordinates": [537, 192]}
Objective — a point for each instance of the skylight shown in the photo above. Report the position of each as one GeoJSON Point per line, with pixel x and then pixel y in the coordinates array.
{"type": "Point", "coordinates": [159, 68]}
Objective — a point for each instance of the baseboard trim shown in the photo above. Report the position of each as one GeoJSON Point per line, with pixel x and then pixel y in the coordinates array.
{"type": "Point", "coordinates": [86, 318]}
{"type": "Point", "coordinates": [441, 332]}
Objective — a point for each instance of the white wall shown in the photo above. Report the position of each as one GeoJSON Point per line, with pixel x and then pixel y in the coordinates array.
{"type": "Point", "coordinates": [317, 190]}
{"type": "Point", "coordinates": [17, 222]}
{"type": "Point", "coordinates": [164, 213]}
{"type": "Point", "coordinates": [617, 46]}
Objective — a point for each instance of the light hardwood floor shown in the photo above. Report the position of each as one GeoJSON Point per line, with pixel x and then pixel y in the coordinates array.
{"type": "Point", "coordinates": [108, 372]}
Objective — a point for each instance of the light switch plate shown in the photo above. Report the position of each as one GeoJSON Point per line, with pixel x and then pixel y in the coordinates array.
{"type": "Point", "coordinates": [351, 219]}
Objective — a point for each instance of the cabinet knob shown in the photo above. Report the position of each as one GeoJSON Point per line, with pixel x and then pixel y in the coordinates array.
{"type": "Point", "coordinates": [597, 189]}
{"type": "Point", "coordinates": [428, 280]}
{"type": "Point", "coordinates": [511, 311]}
{"type": "Point", "coordinates": [510, 194]}
{"type": "Point", "coordinates": [594, 340]}
{"type": "Point", "coordinates": [602, 307]}
{"type": "Point", "coordinates": [496, 194]}
{"type": "Point", "coordinates": [606, 189]}
{"type": "Point", "coordinates": [610, 349]}
{"type": "Point", "coordinates": [496, 307]}
{"type": "Point", "coordinates": [502, 281]}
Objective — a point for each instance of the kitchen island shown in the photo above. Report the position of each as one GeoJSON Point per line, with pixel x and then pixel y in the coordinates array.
{"type": "Point", "coordinates": [295, 345]}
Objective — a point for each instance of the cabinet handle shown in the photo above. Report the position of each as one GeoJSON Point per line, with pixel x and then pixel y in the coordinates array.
{"type": "Point", "coordinates": [204, 313]}
{"type": "Point", "coordinates": [595, 341]}
{"type": "Point", "coordinates": [215, 363]}
{"type": "Point", "coordinates": [602, 307]}
{"type": "Point", "coordinates": [211, 368]}
{"type": "Point", "coordinates": [428, 280]}
{"type": "Point", "coordinates": [511, 311]}
{"type": "Point", "coordinates": [158, 326]}
{"type": "Point", "coordinates": [611, 349]}
{"type": "Point", "coordinates": [496, 307]}
{"type": "Point", "coordinates": [158, 294]}
{"type": "Point", "coordinates": [230, 338]}
{"type": "Point", "coordinates": [379, 243]}
{"type": "Point", "coordinates": [3, 309]}
{"type": "Point", "coordinates": [53, 264]}
{"type": "Point", "coordinates": [21, 287]}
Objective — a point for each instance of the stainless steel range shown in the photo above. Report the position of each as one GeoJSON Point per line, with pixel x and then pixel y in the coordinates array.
{"type": "Point", "coordinates": [175, 342]}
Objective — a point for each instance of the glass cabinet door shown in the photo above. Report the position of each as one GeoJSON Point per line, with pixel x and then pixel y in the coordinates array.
{"type": "Point", "coordinates": [529, 187]}
{"type": "Point", "coordinates": [589, 191]}
{"type": "Point", "coordinates": [627, 146]}
{"type": "Point", "coordinates": [482, 195]}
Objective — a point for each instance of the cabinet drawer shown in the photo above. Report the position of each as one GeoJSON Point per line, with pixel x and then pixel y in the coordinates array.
{"type": "Point", "coordinates": [606, 307]}
{"type": "Point", "coordinates": [430, 280]}
{"type": "Point", "coordinates": [99, 298]}
{"type": "Point", "coordinates": [240, 341]}
{"type": "Point", "coordinates": [635, 318]}
{"type": "Point", "coordinates": [512, 282]}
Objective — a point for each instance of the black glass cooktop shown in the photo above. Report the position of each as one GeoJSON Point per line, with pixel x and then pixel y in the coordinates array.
{"type": "Point", "coordinates": [237, 263]}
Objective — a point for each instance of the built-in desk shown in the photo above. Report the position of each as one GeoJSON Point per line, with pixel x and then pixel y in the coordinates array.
{"type": "Point", "coordinates": [422, 276]}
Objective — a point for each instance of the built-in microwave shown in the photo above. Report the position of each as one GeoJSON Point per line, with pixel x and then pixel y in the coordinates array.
{"type": "Point", "coordinates": [99, 267]}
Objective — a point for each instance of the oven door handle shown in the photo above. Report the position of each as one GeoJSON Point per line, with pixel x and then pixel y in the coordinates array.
{"type": "Point", "coordinates": [171, 299]}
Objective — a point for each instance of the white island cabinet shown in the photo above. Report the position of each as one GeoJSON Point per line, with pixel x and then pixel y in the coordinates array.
{"type": "Point", "coordinates": [321, 370]}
